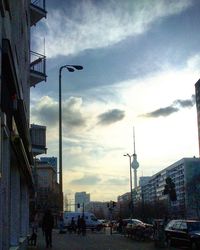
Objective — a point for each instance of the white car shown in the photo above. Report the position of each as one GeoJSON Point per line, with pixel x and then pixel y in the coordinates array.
{"type": "Point", "coordinates": [90, 219]}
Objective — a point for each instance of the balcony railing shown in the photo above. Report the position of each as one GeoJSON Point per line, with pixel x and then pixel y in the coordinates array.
{"type": "Point", "coordinates": [37, 10]}
{"type": "Point", "coordinates": [37, 68]}
{"type": "Point", "coordinates": [39, 3]}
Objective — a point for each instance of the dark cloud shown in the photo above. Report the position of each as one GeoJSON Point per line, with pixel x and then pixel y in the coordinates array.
{"type": "Point", "coordinates": [175, 107]}
{"type": "Point", "coordinates": [186, 103]}
{"type": "Point", "coordinates": [47, 114]}
{"type": "Point", "coordinates": [162, 112]}
{"type": "Point", "coordinates": [46, 111]}
{"type": "Point", "coordinates": [86, 180]}
{"type": "Point", "coordinates": [111, 116]}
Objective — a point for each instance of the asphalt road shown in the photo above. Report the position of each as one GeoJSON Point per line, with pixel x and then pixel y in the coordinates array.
{"type": "Point", "coordinates": [92, 241]}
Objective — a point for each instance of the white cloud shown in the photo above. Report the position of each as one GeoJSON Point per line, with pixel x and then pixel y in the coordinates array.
{"type": "Point", "coordinates": [90, 27]}
{"type": "Point", "coordinates": [159, 142]}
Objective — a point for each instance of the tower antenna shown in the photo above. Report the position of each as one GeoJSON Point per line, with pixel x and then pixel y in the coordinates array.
{"type": "Point", "coordinates": [134, 140]}
{"type": "Point", "coordinates": [135, 164]}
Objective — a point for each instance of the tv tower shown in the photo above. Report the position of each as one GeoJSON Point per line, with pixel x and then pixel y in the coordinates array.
{"type": "Point", "coordinates": [135, 164]}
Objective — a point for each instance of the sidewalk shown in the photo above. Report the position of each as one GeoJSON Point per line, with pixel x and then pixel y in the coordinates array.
{"type": "Point", "coordinates": [41, 240]}
{"type": "Point", "coordinates": [91, 241]}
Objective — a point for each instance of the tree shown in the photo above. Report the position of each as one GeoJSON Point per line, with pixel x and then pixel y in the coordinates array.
{"type": "Point", "coordinates": [170, 189]}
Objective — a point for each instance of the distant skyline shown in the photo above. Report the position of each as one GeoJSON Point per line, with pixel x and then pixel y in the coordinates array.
{"type": "Point", "coordinates": [141, 59]}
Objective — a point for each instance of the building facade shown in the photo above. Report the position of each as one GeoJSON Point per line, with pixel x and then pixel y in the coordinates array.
{"type": "Point", "coordinates": [98, 208]}
{"type": "Point", "coordinates": [18, 72]}
{"type": "Point", "coordinates": [185, 174]}
{"type": "Point", "coordinates": [81, 198]}
{"type": "Point", "coordinates": [50, 160]}
{"type": "Point", "coordinates": [47, 189]}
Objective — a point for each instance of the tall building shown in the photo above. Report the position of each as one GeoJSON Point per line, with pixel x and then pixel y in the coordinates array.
{"type": "Point", "coordinates": [81, 198]}
{"type": "Point", "coordinates": [19, 70]}
{"type": "Point", "coordinates": [51, 161]}
{"type": "Point", "coordinates": [48, 187]}
{"type": "Point", "coordinates": [99, 209]}
{"type": "Point", "coordinates": [185, 174]}
{"type": "Point", "coordinates": [197, 93]}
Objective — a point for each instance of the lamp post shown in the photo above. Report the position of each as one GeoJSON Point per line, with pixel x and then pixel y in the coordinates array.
{"type": "Point", "coordinates": [131, 188]}
{"type": "Point", "coordinates": [70, 68]}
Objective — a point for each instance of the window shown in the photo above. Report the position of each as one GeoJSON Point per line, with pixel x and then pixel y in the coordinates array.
{"type": "Point", "coordinates": [176, 225]}
{"type": "Point", "coordinates": [183, 226]}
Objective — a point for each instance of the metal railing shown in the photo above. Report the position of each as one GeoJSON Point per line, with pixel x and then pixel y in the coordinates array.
{"type": "Point", "coordinates": [38, 63]}
{"type": "Point", "coordinates": [39, 3]}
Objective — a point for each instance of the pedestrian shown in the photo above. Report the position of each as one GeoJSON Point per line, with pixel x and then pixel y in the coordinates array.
{"type": "Point", "coordinates": [61, 225]}
{"type": "Point", "coordinates": [36, 221]}
{"type": "Point", "coordinates": [47, 226]}
{"type": "Point", "coordinates": [120, 225]}
{"type": "Point", "coordinates": [83, 225]}
{"type": "Point", "coordinates": [79, 225]}
{"type": "Point", "coordinates": [73, 225]}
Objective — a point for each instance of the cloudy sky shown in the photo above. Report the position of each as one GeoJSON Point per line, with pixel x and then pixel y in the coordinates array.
{"type": "Point", "coordinates": [141, 59]}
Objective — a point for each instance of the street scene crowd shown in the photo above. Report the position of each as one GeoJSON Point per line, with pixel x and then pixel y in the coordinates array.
{"type": "Point", "coordinates": [162, 232]}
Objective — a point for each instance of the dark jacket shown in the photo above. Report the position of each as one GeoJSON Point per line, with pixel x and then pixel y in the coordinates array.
{"type": "Point", "coordinates": [48, 221]}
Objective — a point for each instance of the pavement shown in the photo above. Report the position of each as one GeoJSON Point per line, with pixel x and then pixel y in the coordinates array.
{"type": "Point", "coordinates": [92, 241]}
{"type": "Point", "coordinates": [102, 240]}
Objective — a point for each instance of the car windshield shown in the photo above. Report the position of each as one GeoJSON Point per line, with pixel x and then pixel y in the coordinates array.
{"type": "Point", "coordinates": [135, 221]}
{"type": "Point", "coordinates": [93, 218]}
{"type": "Point", "coordinates": [194, 226]}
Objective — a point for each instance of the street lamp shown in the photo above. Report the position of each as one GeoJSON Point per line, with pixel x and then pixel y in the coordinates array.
{"type": "Point", "coordinates": [70, 68]}
{"type": "Point", "coordinates": [131, 188]}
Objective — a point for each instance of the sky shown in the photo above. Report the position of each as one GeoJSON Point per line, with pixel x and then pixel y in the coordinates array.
{"type": "Point", "coordinates": [141, 60]}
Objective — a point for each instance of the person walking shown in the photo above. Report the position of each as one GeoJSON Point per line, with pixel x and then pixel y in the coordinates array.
{"type": "Point", "coordinates": [79, 225]}
{"type": "Point", "coordinates": [83, 226]}
{"type": "Point", "coordinates": [47, 226]}
{"type": "Point", "coordinates": [73, 225]}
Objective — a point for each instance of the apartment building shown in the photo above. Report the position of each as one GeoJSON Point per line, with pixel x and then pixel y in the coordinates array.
{"type": "Point", "coordinates": [99, 208]}
{"type": "Point", "coordinates": [19, 70]}
{"type": "Point", "coordinates": [185, 174]}
{"type": "Point", "coordinates": [48, 187]}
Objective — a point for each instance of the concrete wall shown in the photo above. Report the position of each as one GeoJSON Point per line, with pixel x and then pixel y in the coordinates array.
{"type": "Point", "coordinates": [14, 192]}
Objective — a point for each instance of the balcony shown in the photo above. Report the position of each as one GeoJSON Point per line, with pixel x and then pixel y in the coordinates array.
{"type": "Point", "coordinates": [37, 11]}
{"type": "Point", "coordinates": [38, 139]}
{"type": "Point", "coordinates": [37, 68]}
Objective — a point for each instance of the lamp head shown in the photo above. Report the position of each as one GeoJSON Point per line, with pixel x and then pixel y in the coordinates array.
{"type": "Point", "coordinates": [70, 69]}
{"type": "Point", "coordinates": [78, 67]}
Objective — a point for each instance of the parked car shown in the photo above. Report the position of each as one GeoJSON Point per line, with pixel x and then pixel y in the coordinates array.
{"type": "Point", "coordinates": [183, 233]}
{"type": "Point", "coordinates": [133, 222]}
{"type": "Point", "coordinates": [104, 222]}
{"type": "Point", "coordinates": [138, 229]}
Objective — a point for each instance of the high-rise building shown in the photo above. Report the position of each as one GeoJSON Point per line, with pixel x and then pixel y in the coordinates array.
{"type": "Point", "coordinates": [81, 198]}
{"type": "Point", "coordinates": [185, 174]}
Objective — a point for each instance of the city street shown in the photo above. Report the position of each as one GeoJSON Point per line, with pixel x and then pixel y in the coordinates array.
{"type": "Point", "coordinates": [92, 241]}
